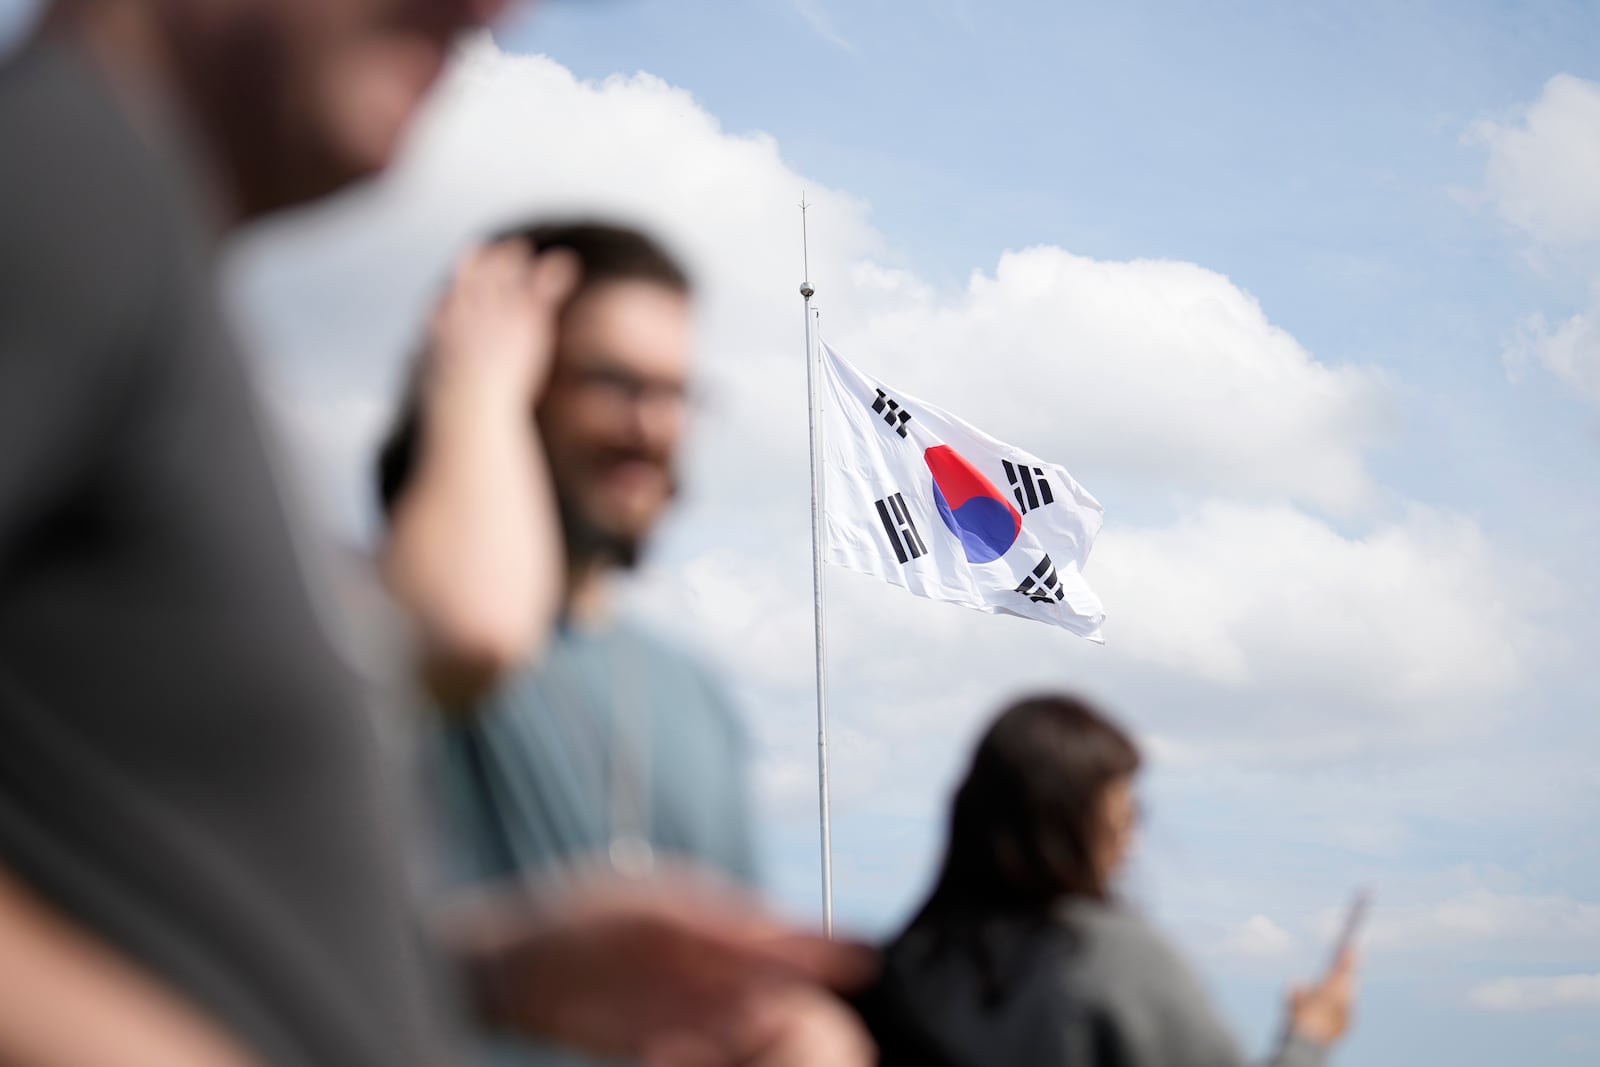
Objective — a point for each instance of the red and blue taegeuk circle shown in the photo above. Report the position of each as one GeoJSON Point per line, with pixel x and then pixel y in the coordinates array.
{"type": "Point", "coordinates": [982, 520]}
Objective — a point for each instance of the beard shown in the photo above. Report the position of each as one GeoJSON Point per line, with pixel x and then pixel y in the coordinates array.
{"type": "Point", "coordinates": [588, 541]}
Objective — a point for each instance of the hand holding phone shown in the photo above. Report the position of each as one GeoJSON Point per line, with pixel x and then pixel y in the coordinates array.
{"type": "Point", "coordinates": [1321, 1012]}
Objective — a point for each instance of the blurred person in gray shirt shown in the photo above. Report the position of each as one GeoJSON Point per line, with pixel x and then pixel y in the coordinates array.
{"type": "Point", "coordinates": [200, 858]}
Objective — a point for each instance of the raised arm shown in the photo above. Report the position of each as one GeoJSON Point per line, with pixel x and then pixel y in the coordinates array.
{"type": "Point", "coordinates": [1154, 1012]}
{"type": "Point", "coordinates": [474, 549]}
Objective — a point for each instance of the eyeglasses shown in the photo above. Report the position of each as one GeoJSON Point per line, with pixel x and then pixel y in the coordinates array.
{"type": "Point", "coordinates": [613, 385]}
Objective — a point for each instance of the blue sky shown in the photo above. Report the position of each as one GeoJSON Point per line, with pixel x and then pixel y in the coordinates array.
{"type": "Point", "coordinates": [1321, 160]}
{"type": "Point", "coordinates": [1306, 154]}
{"type": "Point", "coordinates": [1278, 318]}
{"type": "Point", "coordinates": [1318, 160]}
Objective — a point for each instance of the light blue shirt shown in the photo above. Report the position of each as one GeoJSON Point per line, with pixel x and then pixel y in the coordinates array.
{"type": "Point", "coordinates": [615, 733]}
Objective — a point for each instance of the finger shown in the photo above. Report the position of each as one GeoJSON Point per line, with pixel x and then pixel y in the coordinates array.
{"type": "Point", "coordinates": [514, 247]}
{"type": "Point", "coordinates": [482, 261]}
{"type": "Point", "coordinates": [483, 271]}
{"type": "Point", "coordinates": [841, 965]}
{"type": "Point", "coordinates": [463, 299]}
{"type": "Point", "coordinates": [1343, 970]}
{"type": "Point", "coordinates": [466, 285]}
{"type": "Point", "coordinates": [801, 1025]}
{"type": "Point", "coordinates": [1340, 987]}
{"type": "Point", "coordinates": [551, 279]}
{"type": "Point", "coordinates": [682, 1049]}
{"type": "Point", "coordinates": [731, 922]}
{"type": "Point", "coordinates": [466, 268]}
{"type": "Point", "coordinates": [505, 266]}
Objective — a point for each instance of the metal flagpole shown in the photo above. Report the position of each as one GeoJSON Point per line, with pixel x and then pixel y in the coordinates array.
{"type": "Point", "coordinates": [806, 293]}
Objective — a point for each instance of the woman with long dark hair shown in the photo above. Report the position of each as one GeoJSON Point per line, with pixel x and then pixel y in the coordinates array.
{"type": "Point", "coordinates": [1021, 957]}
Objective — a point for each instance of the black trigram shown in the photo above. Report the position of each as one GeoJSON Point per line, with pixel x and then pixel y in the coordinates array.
{"type": "Point", "coordinates": [1042, 586]}
{"type": "Point", "coordinates": [892, 413]}
{"type": "Point", "coordinates": [901, 530]}
{"type": "Point", "coordinates": [1028, 485]}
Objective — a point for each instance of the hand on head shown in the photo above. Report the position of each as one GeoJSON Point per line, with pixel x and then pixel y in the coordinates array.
{"type": "Point", "coordinates": [497, 322]}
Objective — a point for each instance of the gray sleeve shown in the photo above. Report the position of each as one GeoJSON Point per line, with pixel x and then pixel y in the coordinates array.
{"type": "Point", "coordinates": [81, 292]}
{"type": "Point", "coordinates": [54, 395]}
{"type": "Point", "coordinates": [1156, 1013]}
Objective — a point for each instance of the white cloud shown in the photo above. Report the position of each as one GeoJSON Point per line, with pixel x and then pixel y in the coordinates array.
{"type": "Point", "coordinates": [1530, 921]}
{"type": "Point", "coordinates": [1429, 924]}
{"type": "Point", "coordinates": [1538, 993]}
{"type": "Point", "coordinates": [816, 16]}
{"type": "Point", "coordinates": [1158, 376]}
{"type": "Point", "coordinates": [1543, 177]}
{"type": "Point", "coordinates": [1416, 610]}
{"type": "Point", "coordinates": [751, 612]}
{"type": "Point", "coordinates": [1543, 173]}
{"type": "Point", "coordinates": [328, 438]}
{"type": "Point", "coordinates": [1314, 645]}
{"type": "Point", "coordinates": [1570, 350]}
{"type": "Point", "coordinates": [1159, 370]}
{"type": "Point", "coordinates": [1259, 938]}
{"type": "Point", "coordinates": [1162, 372]}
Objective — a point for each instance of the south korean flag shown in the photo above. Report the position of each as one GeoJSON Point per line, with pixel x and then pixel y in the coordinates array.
{"type": "Point", "coordinates": [917, 497]}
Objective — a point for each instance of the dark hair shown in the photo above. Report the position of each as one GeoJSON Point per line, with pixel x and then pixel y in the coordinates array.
{"type": "Point", "coordinates": [606, 253]}
{"type": "Point", "coordinates": [1025, 821]}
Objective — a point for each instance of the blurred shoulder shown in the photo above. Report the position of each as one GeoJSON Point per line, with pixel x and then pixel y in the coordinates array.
{"type": "Point", "coordinates": [1145, 998]}
{"type": "Point", "coordinates": [1102, 922]}
{"type": "Point", "coordinates": [1114, 948]}
{"type": "Point", "coordinates": [107, 190]}
{"type": "Point", "coordinates": [102, 238]}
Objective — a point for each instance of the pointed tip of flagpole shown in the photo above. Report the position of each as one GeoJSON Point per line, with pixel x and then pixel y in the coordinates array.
{"type": "Point", "coordinates": [806, 291]}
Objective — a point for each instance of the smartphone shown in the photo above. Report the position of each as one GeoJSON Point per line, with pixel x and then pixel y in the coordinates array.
{"type": "Point", "coordinates": [1353, 920]}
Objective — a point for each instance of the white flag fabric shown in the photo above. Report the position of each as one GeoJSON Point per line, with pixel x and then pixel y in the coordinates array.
{"type": "Point", "coordinates": [921, 499]}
